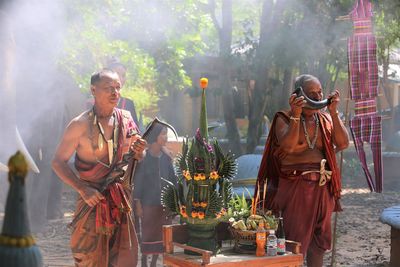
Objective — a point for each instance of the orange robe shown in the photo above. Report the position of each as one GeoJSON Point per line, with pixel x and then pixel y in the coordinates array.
{"type": "Point", "coordinates": [105, 236]}
{"type": "Point", "coordinates": [306, 207]}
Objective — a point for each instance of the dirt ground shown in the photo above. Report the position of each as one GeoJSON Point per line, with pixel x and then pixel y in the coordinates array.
{"type": "Point", "coordinates": [362, 240]}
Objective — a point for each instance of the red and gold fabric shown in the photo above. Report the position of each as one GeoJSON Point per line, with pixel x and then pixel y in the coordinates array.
{"type": "Point", "coordinates": [105, 236]}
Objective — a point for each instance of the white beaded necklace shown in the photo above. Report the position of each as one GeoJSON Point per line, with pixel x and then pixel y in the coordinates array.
{"type": "Point", "coordinates": [311, 145]}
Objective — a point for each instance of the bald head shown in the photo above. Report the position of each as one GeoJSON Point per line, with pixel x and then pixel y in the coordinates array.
{"type": "Point", "coordinates": [302, 80]}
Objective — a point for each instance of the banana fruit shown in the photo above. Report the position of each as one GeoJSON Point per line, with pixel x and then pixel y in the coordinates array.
{"type": "Point", "coordinates": [252, 222]}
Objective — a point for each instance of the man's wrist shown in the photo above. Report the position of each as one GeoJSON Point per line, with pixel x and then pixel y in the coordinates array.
{"type": "Point", "coordinates": [335, 112]}
{"type": "Point", "coordinates": [295, 119]}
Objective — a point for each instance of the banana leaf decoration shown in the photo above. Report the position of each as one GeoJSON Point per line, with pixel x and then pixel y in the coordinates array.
{"type": "Point", "coordinates": [169, 197]}
{"type": "Point", "coordinates": [204, 173]}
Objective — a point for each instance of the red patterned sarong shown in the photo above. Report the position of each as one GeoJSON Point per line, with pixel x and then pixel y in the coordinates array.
{"type": "Point", "coordinates": [105, 236]}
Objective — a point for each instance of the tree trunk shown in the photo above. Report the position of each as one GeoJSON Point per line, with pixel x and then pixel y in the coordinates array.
{"type": "Point", "coordinates": [286, 87]}
{"type": "Point", "coordinates": [388, 95]}
{"type": "Point", "coordinates": [259, 98]}
{"type": "Point", "coordinates": [225, 42]}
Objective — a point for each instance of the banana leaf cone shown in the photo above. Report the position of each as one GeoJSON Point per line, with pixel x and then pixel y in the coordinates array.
{"type": "Point", "coordinates": [203, 113]}
{"type": "Point", "coordinates": [204, 188]}
{"type": "Point", "coordinates": [17, 246]}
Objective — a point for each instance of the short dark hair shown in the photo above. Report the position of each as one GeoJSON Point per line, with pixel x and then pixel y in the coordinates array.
{"type": "Point", "coordinates": [301, 80]}
{"type": "Point", "coordinates": [97, 76]}
{"type": "Point", "coordinates": [154, 133]}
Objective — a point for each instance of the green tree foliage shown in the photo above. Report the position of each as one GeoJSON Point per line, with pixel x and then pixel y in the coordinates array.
{"type": "Point", "coordinates": [306, 37]}
{"type": "Point", "coordinates": [387, 29]}
{"type": "Point", "coordinates": [269, 41]}
{"type": "Point", "coordinates": [152, 38]}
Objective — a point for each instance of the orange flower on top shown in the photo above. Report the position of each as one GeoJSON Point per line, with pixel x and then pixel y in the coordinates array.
{"type": "Point", "coordinates": [196, 204]}
{"type": "Point", "coordinates": [203, 83]}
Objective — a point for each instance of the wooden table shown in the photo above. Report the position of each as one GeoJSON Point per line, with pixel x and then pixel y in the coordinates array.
{"type": "Point", "coordinates": [175, 236]}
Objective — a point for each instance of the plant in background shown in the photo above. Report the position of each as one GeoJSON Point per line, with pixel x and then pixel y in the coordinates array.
{"type": "Point", "coordinates": [204, 188]}
{"type": "Point", "coordinates": [244, 216]}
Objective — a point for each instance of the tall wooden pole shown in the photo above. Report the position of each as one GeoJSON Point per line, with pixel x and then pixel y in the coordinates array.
{"type": "Point", "coordinates": [346, 123]}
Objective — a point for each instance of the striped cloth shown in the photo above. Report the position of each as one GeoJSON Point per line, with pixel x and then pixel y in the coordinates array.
{"type": "Point", "coordinates": [361, 53]}
{"type": "Point", "coordinates": [362, 9]}
{"type": "Point", "coordinates": [368, 129]}
{"type": "Point", "coordinates": [365, 107]}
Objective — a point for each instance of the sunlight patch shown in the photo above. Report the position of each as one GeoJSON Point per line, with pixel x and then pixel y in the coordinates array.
{"type": "Point", "coordinates": [355, 191]}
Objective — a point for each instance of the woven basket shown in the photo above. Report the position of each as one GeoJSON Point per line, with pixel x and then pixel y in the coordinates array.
{"type": "Point", "coordinates": [246, 236]}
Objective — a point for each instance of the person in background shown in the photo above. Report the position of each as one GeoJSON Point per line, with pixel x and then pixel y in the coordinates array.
{"type": "Point", "coordinates": [147, 193]}
{"type": "Point", "coordinates": [124, 103]}
{"type": "Point", "coordinates": [299, 163]}
{"type": "Point", "coordinates": [99, 137]}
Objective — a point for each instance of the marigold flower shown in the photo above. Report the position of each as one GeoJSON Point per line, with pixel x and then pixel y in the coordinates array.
{"type": "Point", "coordinates": [197, 177]}
{"type": "Point", "coordinates": [187, 175]}
{"type": "Point", "coordinates": [203, 204]}
{"type": "Point", "coordinates": [203, 83]}
{"type": "Point", "coordinates": [201, 215]}
{"type": "Point", "coordinates": [183, 211]}
{"type": "Point", "coordinates": [194, 214]}
{"type": "Point", "coordinates": [214, 175]}
{"type": "Point", "coordinates": [196, 204]}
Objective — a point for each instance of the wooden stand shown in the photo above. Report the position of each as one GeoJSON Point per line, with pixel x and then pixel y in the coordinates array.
{"type": "Point", "coordinates": [176, 236]}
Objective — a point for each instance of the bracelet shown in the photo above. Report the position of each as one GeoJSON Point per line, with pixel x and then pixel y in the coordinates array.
{"type": "Point", "coordinates": [294, 119]}
{"type": "Point", "coordinates": [337, 113]}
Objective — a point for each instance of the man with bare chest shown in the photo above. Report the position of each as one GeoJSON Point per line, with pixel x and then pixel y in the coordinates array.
{"type": "Point", "coordinates": [299, 166]}
{"type": "Point", "coordinates": [100, 137]}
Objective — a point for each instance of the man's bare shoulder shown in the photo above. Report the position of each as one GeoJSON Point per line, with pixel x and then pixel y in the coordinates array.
{"type": "Point", "coordinates": [80, 122]}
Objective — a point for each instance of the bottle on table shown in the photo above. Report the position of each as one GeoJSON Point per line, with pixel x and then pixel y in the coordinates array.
{"type": "Point", "coordinates": [272, 243]}
{"type": "Point", "coordinates": [280, 234]}
{"type": "Point", "coordinates": [260, 240]}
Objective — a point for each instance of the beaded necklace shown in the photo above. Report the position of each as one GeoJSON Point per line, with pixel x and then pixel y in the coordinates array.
{"type": "Point", "coordinates": [112, 143]}
{"type": "Point", "coordinates": [311, 144]}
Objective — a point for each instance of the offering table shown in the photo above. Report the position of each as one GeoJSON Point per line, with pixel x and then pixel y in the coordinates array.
{"type": "Point", "coordinates": [175, 237]}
